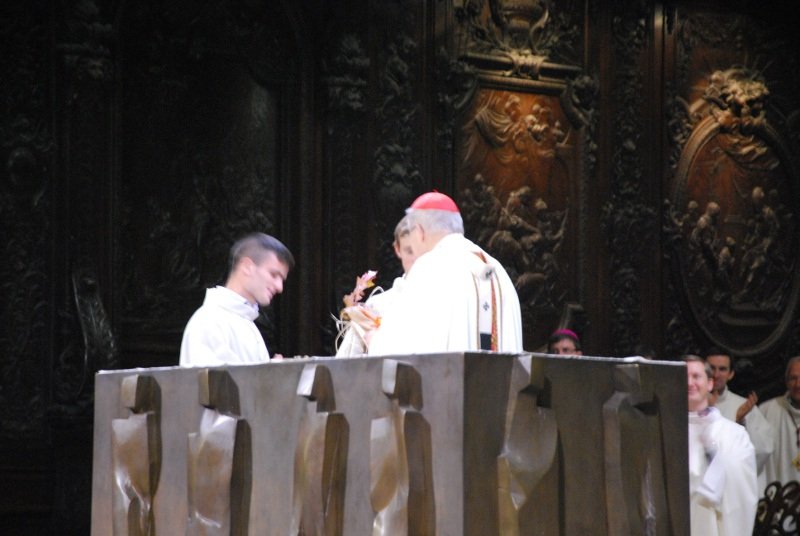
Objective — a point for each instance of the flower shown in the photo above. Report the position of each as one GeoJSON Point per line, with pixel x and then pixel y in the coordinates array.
{"type": "Point", "coordinates": [357, 316]}
{"type": "Point", "coordinates": [364, 282]}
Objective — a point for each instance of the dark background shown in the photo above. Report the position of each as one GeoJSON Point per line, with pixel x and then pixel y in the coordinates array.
{"type": "Point", "coordinates": [139, 139]}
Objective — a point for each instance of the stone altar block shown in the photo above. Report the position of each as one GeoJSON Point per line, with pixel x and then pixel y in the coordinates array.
{"type": "Point", "coordinates": [448, 444]}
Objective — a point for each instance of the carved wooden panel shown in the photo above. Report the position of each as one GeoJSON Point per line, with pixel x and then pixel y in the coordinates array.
{"type": "Point", "coordinates": [735, 205]}
{"type": "Point", "coordinates": [521, 153]}
{"type": "Point", "coordinates": [628, 215]}
{"type": "Point", "coordinates": [731, 216]}
{"type": "Point", "coordinates": [345, 76]}
{"type": "Point", "coordinates": [201, 157]}
{"type": "Point", "coordinates": [26, 203]}
{"type": "Point", "coordinates": [517, 188]}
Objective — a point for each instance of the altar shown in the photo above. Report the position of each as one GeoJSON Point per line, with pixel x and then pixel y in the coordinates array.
{"type": "Point", "coordinates": [448, 444]}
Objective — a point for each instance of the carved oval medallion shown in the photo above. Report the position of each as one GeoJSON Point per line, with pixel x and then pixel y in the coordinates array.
{"type": "Point", "coordinates": [736, 208]}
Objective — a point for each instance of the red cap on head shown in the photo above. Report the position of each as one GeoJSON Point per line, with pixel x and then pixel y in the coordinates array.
{"type": "Point", "coordinates": [434, 201]}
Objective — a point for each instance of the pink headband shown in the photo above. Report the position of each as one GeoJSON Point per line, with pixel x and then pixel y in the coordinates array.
{"type": "Point", "coordinates": [566, 332]}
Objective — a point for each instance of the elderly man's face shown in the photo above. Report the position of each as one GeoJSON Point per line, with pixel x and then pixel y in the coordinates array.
{"type": "Point", "coordinates": [793, 382]}
{"type": "Point", "coordinates": [419, 240]}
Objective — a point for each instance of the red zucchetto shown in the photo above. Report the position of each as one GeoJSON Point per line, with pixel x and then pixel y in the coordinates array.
{"type": "Point", "coordinates": [434, 201]}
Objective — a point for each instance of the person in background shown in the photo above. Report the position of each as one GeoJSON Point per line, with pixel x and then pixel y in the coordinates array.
{"type": "Point", "coordinates": [723, 488]}
{"type": "Point", "coordinates": [739, 409]}
{"type": "Point", "coordinates": [456, 297]}
{"type": "Point", "coordinates": [358, 330]}
{"type": "Point", "coordinates": [222, 331]}
{"type": "Point", "coordinates": [564, 342]}
{"type": "Point", "coordinates": [783, 413]}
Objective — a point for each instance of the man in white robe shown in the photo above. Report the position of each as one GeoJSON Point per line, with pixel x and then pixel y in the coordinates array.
{"type": "Point", "coordinates": [741, 410]}
{"type": "Point", "coordinates": [455, 298]}
{"type": "Point", "coordinates": [723, 489]}
{"type": "Point", "coordinates": [222, 331]}
{"type": "Point", "coordinates": [783, 413]}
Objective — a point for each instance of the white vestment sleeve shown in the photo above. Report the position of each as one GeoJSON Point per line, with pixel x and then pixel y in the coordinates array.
{"type": "Point", "coordinates": [782, 417]}
{"type": "Point", "coordinates": [722, 477]}
{"type": "Point", "coordinates": [712, 486]}
{"type": "Point", "coordinates": [761, 435]}
{"type": "Point", "coordinates": [740, 499]}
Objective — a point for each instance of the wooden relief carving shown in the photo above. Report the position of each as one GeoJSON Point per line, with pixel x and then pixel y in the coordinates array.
{"type": "Point", "coordinates": [519, 36]}
{"type": "Point", "coordinates": [733, 216]}
{"type": "Point", "coordinates": [219, 461]}
{"type": "Point", "coordinates": [636, 496]}
{"type": "Point", "coordinates": [397, 177]}
{"type": "Point", "coordinates": [136, 457]}
{"type": "Point", "coordinates": [320, 461]}
{"type": "Point", "coordinates": [27, 265]}
{"type": "Point", "coordinates": [627, 220]}
{"type": "Point", "coordinates": [529, 453]}
{"type": "Point", "coordinates": [77, 363]}
{"type": "Point", "coordinates": [85, 111]}
{"type": "Point", "coordinates": [191, 183]}
{"type": "Point", "coordinates": [524, 146]}
{"type": "Point", "coordinates": [401, 467]}
{"type": "Point", "coordinates": [456, 84]}
{"type": "Point", "coordinates": [519, 194]}
{"type": "Point", "coordinates": [345, 75]}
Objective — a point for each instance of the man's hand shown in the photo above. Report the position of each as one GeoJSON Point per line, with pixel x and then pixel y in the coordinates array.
{"type": "Point", "coordinates": [745, 408]}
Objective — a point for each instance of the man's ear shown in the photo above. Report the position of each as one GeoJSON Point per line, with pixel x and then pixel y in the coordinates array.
{"type": "Point", "coordinates": [731, 374]}
{"type": "Point", "coordinates": [246, 265]}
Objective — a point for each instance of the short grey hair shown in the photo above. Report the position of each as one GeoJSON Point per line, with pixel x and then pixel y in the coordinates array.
{"type": "Point", "coordinates": [403, 228]}
{"type": "Point", "coordinates": [436, 220]}
{"type": "Point", "coordinates": [792, 361]}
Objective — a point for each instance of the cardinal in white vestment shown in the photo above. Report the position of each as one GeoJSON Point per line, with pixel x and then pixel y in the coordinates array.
{"type": "Point", "coordinates": [456, 297]}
